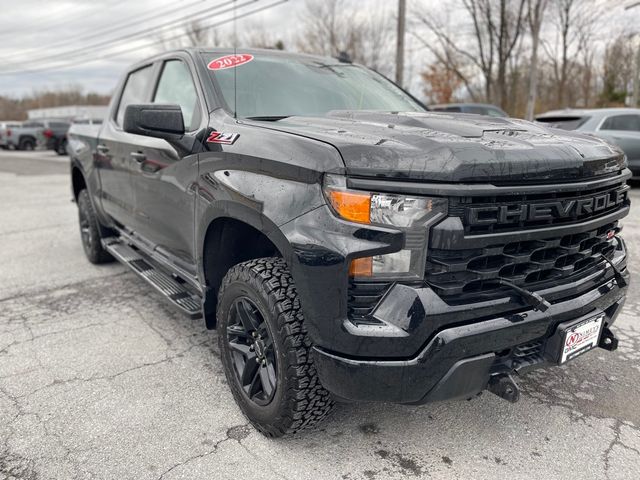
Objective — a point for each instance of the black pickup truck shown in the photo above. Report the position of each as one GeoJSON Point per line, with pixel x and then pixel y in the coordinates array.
{"type": "Point", "coordinates": [346, 243]}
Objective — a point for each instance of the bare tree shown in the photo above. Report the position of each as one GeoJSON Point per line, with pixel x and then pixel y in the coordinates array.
{"type": "Point", "coordinates": [535, 16]}
{"type": "Point", "coordinates": [617, 72]}
{"type": "Point", "coordinates": [575, 22]}
{"type": "Point", "coordinates": [332, 26]}
{"type": "Point", "coordinates": [497, 27]}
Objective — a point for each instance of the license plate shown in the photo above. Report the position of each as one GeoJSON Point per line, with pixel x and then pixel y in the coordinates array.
{"type": "Point", "coordinates": [581, 338]}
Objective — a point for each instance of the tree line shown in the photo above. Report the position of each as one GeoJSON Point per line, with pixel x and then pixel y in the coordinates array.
{"type": "Point", "coordinates": [529, 56]}
{"type": "Point", "coordinates": [16, 108]}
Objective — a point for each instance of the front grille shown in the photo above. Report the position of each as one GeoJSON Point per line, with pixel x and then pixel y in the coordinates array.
{"type": "Point", "coordinates": [457, 275]}
{"type": "Point", "coordinates": [513, 211]}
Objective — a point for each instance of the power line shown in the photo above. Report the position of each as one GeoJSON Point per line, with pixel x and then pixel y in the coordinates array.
{"type": "Point", "coordinates": [153, 43]}
{"type": "Point", "coordinates": [168, 25]}
{"type": "Point", "coordinates": [100, 32]}
{"type": "Point", "coordinates": [67, 18]}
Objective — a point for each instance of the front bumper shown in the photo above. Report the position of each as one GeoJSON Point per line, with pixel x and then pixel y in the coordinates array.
{"type": "Point", "coordinates": [458, 361]}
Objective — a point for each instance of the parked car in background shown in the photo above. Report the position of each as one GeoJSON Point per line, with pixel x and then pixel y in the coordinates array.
{"type": "Point", "coordinates": [28, 136]}
{"type": "Point", "coordinates": [477, 108]}
{"type": "Point", "coordinates": [55, 133]}
{"type": "Point", "coordinates": [7, 136]}
{"type": "Point", "coordinates": [620, 126]}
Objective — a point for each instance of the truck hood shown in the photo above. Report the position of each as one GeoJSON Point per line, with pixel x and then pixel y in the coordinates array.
{"type": "Point", "coordinates": [456, 148]}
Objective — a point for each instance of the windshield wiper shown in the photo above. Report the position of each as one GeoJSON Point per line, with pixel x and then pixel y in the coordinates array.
{"type": "Point", "coordinates": [269, 118]}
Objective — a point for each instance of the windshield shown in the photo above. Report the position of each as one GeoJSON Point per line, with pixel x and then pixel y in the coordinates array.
{"type": "Point", "coordinates": [278, 86]}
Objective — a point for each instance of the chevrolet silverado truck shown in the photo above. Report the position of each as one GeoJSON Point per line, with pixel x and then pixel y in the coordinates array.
{"type": "Point", "coordinates": [346, 243]}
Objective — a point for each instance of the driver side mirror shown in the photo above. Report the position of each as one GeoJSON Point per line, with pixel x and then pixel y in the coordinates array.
{"type": "Point", "coordinates": [154, 120]}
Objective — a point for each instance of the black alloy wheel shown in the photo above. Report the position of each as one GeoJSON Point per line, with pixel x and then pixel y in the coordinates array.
{"type": "Point", "coordinates": [266, 352]}
{"type": "Point", "coordinates": [252, 351]}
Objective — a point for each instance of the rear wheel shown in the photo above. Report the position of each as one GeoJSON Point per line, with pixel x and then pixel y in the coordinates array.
{"type": "Point", "coordinates": [266, 352]}
{"type": "Point", "coordinates": [90, 231]}
{"type": "Point", "coordinates": [27, 144]}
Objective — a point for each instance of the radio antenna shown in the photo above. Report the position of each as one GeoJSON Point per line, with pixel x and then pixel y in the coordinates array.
{"type": "Point", "coordinates": [235, 54]}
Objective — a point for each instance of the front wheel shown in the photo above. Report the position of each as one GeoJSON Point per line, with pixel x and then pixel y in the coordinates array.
{"type": "Point", "coordinates": [266, 352]}
{"type": "Point", "coordinates": [90, 231]}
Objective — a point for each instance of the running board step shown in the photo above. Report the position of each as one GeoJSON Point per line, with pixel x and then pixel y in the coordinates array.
{"type": "Point", "coordinates": [179, 296]}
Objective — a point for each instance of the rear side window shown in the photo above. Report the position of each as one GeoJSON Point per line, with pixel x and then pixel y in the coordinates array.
{"type": "Point", "coordinates": [136, 90]}
{"type": "Point", "coordinates": [564, 123]}
{"type": "Point", "coordinates": [176, 87]}
{"type": "Point", "coordinates": [630, 123]}
{"type": "Point", "coordinates": [60, 125]}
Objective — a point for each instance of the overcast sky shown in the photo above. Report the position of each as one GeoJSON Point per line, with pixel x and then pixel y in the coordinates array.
{"type": "Point", "coordinates": [36, 35]}
{"type": "Point", "coordinates": [39, 39]}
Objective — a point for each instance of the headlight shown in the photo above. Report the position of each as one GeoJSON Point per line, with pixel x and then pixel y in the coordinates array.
{"type": "Point", "coordinates": [410, 214]}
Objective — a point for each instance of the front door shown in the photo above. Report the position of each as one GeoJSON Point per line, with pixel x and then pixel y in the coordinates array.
{"type": "Point", "coordinates": [164, 179]}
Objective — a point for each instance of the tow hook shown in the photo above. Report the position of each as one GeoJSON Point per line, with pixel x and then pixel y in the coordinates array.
{"type": "Point", "coordinates": [505, 387]}
{"type": "Point", "coordinates": [608, 340]}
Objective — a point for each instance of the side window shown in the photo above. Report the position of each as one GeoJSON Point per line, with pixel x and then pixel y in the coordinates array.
{"type": "Point", "coordinates": [176, 87]}
{"type": "Point", "coordinates": [453, 109]}
{"type": "Point", "coordinates": [629, 123]}
{"type": "Point", "coordinates": [135, 90]}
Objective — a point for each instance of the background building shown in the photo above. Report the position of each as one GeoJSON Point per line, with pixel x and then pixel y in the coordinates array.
{"type": "Point", "coordinates": [69, 112]}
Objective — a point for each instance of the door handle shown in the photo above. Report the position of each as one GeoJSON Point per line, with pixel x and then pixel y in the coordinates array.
{"type": "Point", "coordinates": [102, 149]}
{"type": "Point", "coordinates": [138, 156]}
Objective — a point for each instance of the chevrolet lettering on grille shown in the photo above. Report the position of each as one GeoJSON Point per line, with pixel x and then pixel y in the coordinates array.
{"type": "Point", "coordinates": [549, 210]}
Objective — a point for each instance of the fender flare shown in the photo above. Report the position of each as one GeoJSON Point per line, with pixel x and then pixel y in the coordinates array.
{"type": "Point", "coordinates": [243, 213]}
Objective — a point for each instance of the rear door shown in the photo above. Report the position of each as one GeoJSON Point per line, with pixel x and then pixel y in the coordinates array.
{"type": "Point", "coordinates": [113, 159]}
{"type": "Point", "coordinates": [163, 179]}
{"type": "Point", "coordinates": [623, 130]}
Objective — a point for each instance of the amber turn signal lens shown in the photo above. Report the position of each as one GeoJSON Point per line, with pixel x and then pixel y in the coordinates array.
{"type": "Point", "coordinates": [351, 205]}
{"type": "Point", "coordinates": [361, 267]}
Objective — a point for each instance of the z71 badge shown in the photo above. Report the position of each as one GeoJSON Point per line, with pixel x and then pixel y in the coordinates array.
{"type": "Point", "coordinates": [223, 138]}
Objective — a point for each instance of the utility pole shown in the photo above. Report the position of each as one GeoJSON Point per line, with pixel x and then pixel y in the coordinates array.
{"type": "Point", "coordinates": [636, 82]}
{"type": "Point", "coordinates": [636, 76]}
{"type": "Point", "coordinates": [402, 13]}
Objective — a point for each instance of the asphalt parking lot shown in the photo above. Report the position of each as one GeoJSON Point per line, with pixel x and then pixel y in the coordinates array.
{"type": "Point", "coordinates": [99, 378]}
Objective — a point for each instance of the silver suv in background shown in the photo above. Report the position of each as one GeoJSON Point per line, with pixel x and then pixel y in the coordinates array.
{"type": "Point", "coordinates": [620, 126]}
{"type": "Point", "coordinates": [7, 134]}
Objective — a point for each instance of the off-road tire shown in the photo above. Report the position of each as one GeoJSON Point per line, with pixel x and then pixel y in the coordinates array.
{"type": "Point", "coordinates": [299, 400]}
{"type": "Point", "coordinates": [90, 231]}
{"type": "Point", "coordinates": [27, 144]}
